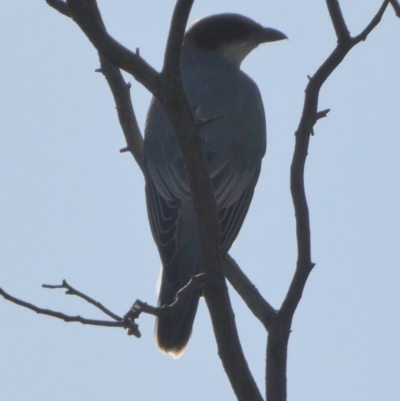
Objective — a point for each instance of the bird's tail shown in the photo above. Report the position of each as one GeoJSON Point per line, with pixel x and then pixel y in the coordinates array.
{"type": "Point", "coordinates": [173, 330]}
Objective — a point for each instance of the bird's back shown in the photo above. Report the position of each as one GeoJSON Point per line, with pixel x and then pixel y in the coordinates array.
{"type": "Point", "coordinates": [235, 141]}
{"type": "Point", "coordinates": [235, 144]}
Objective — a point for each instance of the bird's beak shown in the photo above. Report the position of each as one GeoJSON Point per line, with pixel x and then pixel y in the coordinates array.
{"type": "Point", "coordinates": [270, 35]}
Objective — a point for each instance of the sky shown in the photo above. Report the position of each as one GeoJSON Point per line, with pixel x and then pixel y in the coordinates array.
{"type": "Point", "coordinates": [72, 207]}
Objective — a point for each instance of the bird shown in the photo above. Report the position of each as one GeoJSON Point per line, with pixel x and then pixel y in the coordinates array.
{"type": "Point", "coordinates": [213, 49]}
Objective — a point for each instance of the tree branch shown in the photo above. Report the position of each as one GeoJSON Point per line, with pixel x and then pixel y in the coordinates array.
{"type": "Point", "coordinates": [194, 285]}
{"type": "Point", "coordinates": [121, 93]}
{"type": "Point", "coordinates": [172, 57]}
{"type": "Point", "coordinates": [215, 289]}
{"type": "Point", "coordinates": [83, 14]}
{"type": "Point", "coordinates": [72, 291]}
{"type": "Point", "coordinates": [374, 22]}
{"type": "Point", "coordinates": [260, 308]}
{"type": "Point", "coordinates": [59, 5]}
{"type": "Point", "coordinates": [396, 7]}
{"type": "Point", "coordinates": [337, 19]}
{"type": "Point", "coordinates": [133, 328]}
{"type": "Point", "coordinates": [308, 119]}
{"type": "Point", "coordinates": [281, 323]}
{"type": "Point", "coordinates": [126, 114]}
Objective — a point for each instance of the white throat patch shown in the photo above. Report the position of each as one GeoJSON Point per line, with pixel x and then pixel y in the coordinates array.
{"type": "Point", "coordinates": [236, 52]}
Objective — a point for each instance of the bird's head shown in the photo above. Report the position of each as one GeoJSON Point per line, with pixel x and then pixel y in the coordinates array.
{"type": "Point", "coordinates": [232, 36]}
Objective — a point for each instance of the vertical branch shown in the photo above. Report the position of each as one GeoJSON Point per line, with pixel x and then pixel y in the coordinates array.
{"type": "Point", "coordinates": [172, 57]}
{"type": "Point", "coordinates": [216, 293]}
{"type": "Point", "coordinates": [279, 330]}
{"type": "Point", "coordinates": [337, 19]}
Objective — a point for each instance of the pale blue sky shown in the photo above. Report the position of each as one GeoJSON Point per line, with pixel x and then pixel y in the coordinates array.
{"type": "Point", "coordinates": [73, 207]}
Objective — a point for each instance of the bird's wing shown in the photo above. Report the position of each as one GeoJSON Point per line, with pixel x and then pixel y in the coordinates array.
{"type": "Point", "coordinates": [232, 215]}
{"type": "Point", "coordinates": [166, 184]}
{"type": "Point", "coordinates": [235, 145]}
{"type": "Point", "coordinates": [163, 215]}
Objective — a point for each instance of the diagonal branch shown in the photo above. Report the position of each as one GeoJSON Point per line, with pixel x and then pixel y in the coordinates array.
{"type": "Point", "coordinates": [72, 291]}
{"type": "Point", "coordinates": [126, 324]}
{"type": "Point", "coordinates": [194, 285]}
{"type": "Point", "coordinates": [374, 22]}
{"type": "Point", "coordinates": [126, 114]}
{"type": "Point", "coordinates": [121, 93]}
{"type": "Point", "coordinates": [82, 13]}
{"type": "Point", "coordinates": [396, 7]}
{"type": "Point", "coordinates": [260, 308]}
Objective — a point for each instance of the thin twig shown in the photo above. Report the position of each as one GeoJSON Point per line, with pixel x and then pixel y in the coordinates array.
{"type": "Point", "coordinates": [132, 326]}
{"type": "Point", "coordinates": [194, 285]}
{"type": "Point", "coordinates": [72, 291]}
{"type": "Point", "coordinates": [203, 122]}
{"type": "Point", "coordinates": [374, 22]}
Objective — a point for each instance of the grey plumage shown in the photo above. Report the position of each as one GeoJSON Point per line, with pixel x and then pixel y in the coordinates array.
{"type": "Point", "coordinates": [212, 51]}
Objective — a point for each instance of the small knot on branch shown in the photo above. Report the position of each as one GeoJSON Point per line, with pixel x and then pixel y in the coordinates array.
{"type": "Point", "coordinates": [322, 114]}
{"type": "Point", "coordinates": [202, 122]}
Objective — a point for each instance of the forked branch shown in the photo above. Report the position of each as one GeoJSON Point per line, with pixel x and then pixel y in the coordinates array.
{"type": "Point", "coordinates": [133, 328]}
{"type": "Point", "coordinates": [279, 330]}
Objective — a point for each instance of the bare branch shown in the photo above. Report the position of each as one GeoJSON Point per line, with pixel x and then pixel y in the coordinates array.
{"type": "Point", "coordinates": [374, 22]}
{"type": "Point", "coordinates": [59, 5]}
{"type": "Point", "coordinates": [194, 284]}
{"type": "Point", "coordinates": [121, 93]}
{"type": "Point", "coordinates": [308, 119]}
{"type": "Point", "coordinates": [88, 21]}
{"type": "Point", "coordinates": [215, 289]}
{"type": "Point", "coordinates": [396, 7]}
{"type": "Point", "coordinates": [260, 308]}
{"type": "Point", "coordinates": [203, 122]}
{"type": "Point", "coordinates": [322, 114]}
{"type": "Point", "coordinates": [338, 21]}
{"type": "Point", "coordinates": [126, 114]}
{"type": "Point", "coordinates": [172, 57]}
{"type": "Point", "coordinates": [72, 291]}
{"type": "Point", "coordinates": [279, 329]}
{"type": "Point", "coordinates": [133, 327]}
